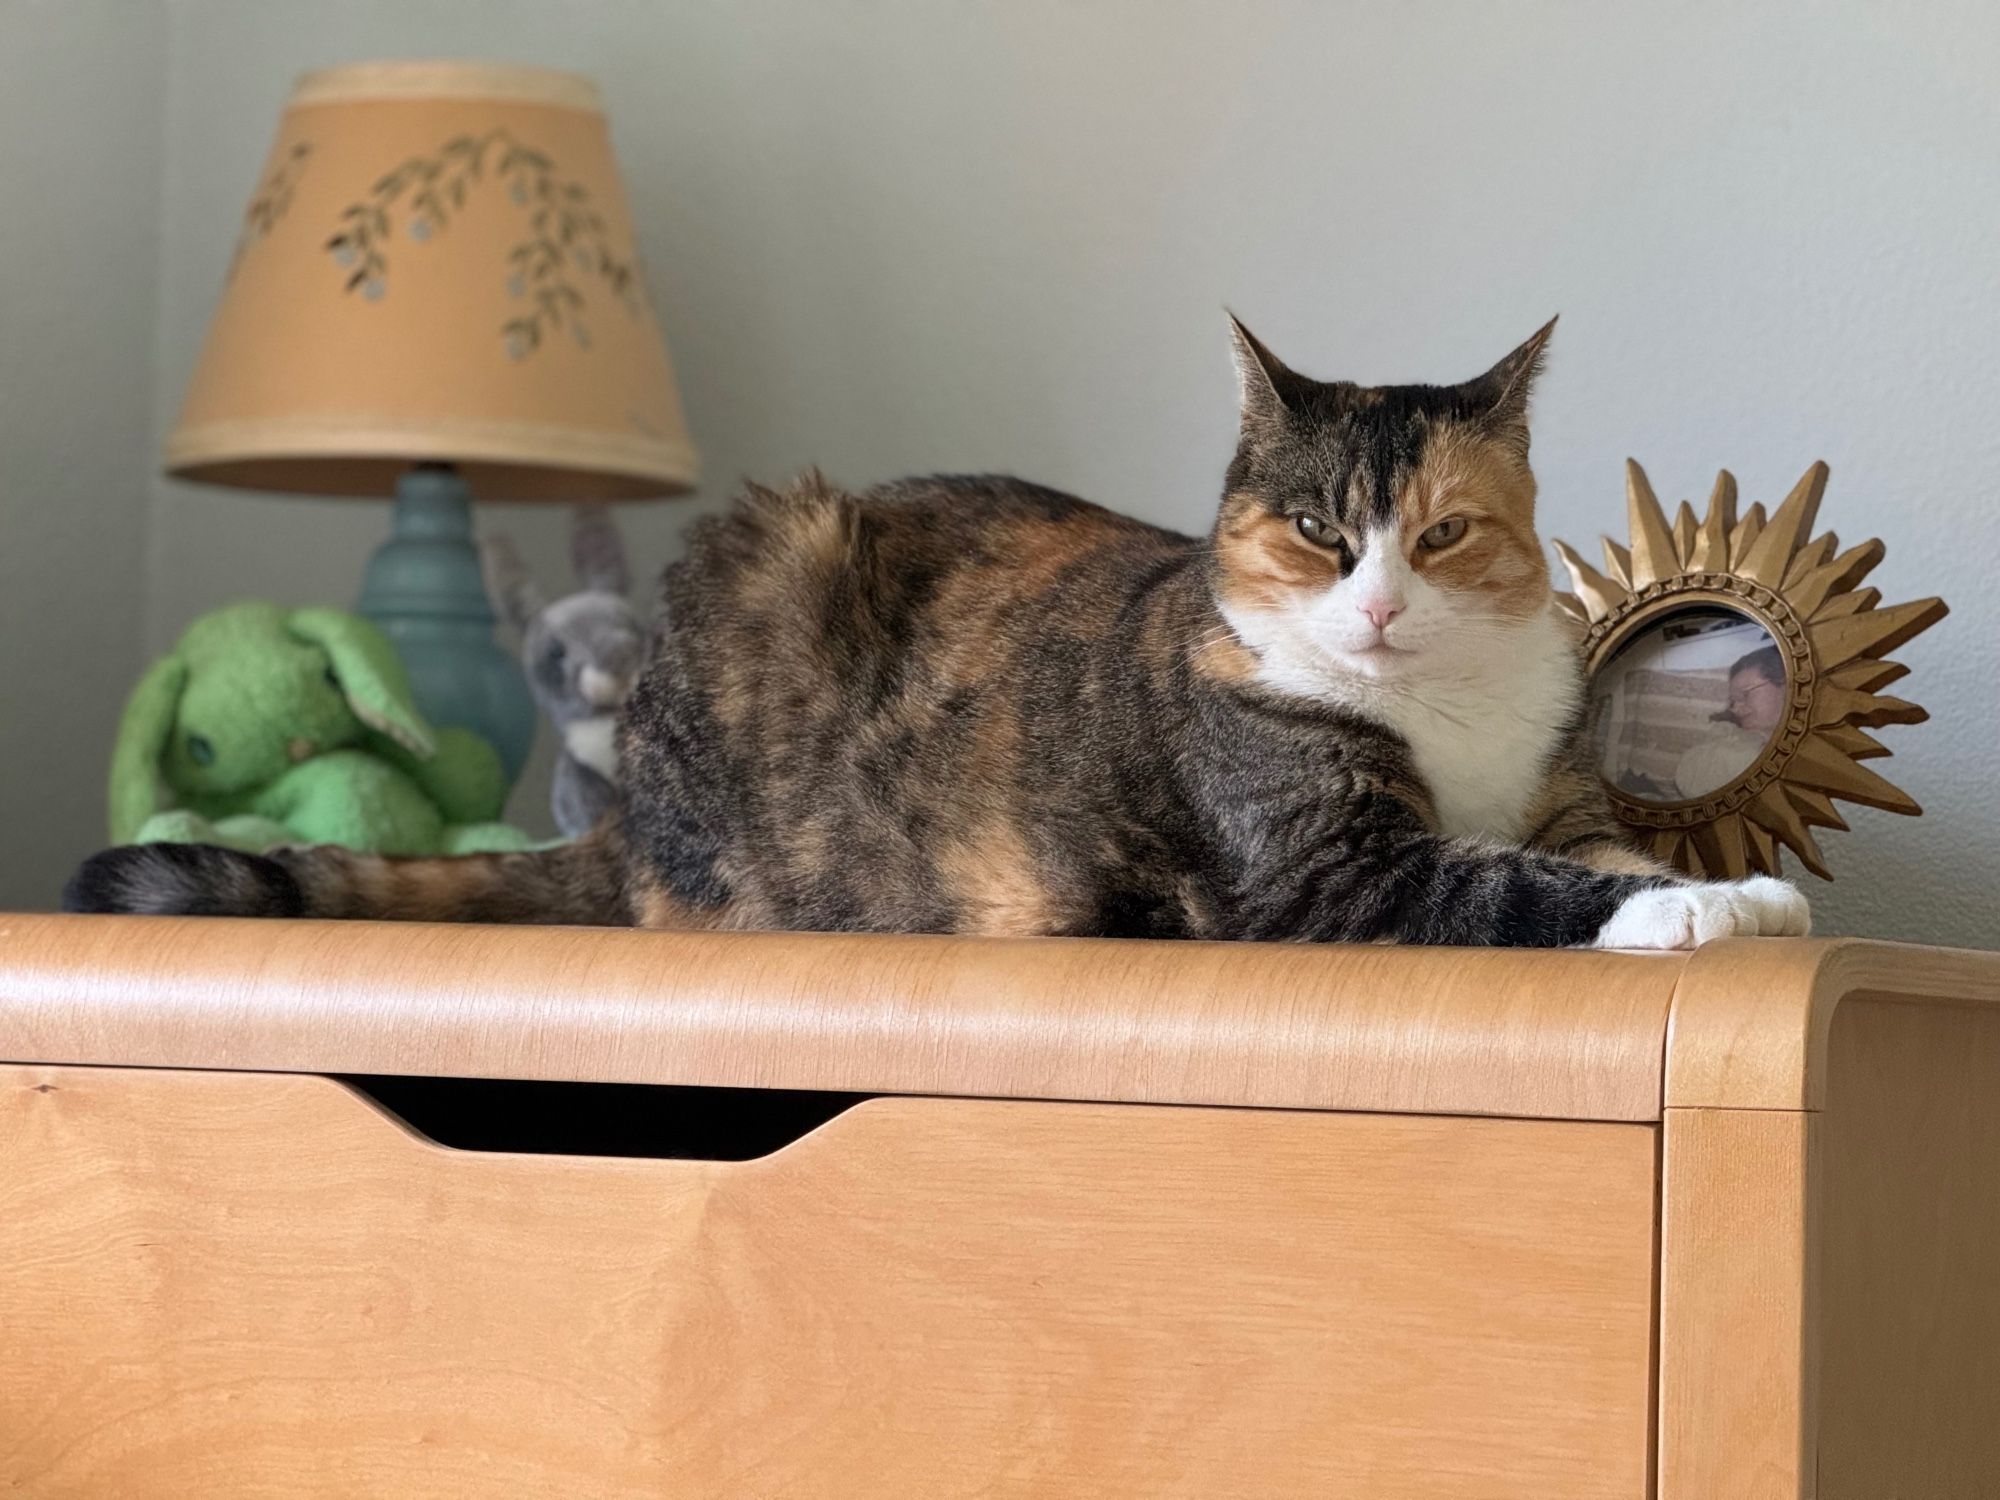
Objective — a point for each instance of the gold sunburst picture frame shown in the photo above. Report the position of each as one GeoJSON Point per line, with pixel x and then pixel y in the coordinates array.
{"type": "Point", "coordinates": [1739, 575]}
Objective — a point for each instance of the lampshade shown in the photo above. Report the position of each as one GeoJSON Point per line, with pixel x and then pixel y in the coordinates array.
{"type": "Point", "coordinates": [437, 265]}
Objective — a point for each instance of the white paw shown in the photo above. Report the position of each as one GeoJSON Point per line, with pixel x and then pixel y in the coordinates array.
{"type": "Point", "coordinates": [1686, 916]}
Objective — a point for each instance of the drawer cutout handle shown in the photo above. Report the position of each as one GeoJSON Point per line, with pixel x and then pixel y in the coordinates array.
{"type": "Point", "coordinates": [659, 1121]}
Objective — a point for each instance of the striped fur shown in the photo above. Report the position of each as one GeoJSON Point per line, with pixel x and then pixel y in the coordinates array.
{"type": "Point", "coordinates": [575, 884]}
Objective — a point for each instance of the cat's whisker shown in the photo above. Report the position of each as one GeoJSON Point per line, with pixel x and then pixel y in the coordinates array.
{"type": "Point", "coordinates": [1211, 640]}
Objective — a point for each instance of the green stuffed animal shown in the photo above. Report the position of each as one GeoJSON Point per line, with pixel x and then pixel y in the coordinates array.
{"type": "Point", "coordinates": [270, 726]}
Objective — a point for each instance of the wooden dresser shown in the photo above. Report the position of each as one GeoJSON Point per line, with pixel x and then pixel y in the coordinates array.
{"type": "Point", "coordinates": [1063, 1219]}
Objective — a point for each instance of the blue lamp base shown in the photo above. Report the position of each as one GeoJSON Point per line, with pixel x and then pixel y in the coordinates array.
{"type": "Point", "coordinates": [425, 589]}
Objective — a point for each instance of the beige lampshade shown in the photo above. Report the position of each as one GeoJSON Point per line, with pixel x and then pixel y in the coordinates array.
{"type": "Point", "coordinates": [437, 264]}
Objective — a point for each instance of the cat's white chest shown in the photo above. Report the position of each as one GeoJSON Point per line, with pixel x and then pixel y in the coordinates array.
{"type": "Point", "coordinates": [1485, 764]}
{"type": "Point", "coordinates": [1482, 725]}
{"type": "Point", "coordinates": [1483, 746]}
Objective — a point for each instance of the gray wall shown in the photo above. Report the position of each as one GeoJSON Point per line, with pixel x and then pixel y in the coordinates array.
{"type": "Point", "coordinates": [81, 93]}
{"type": "Point", "coordinates": [891, 237]}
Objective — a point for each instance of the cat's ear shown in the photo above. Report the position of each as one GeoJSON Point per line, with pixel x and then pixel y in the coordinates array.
{"type": "Point", "coordinates": [1504, 389]}
{"type": "Point", "coordinates": [1260, 375]}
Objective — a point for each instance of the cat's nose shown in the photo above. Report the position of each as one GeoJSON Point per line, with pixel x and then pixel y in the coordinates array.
{"type": "Point", "coordinates": [1380, 613]}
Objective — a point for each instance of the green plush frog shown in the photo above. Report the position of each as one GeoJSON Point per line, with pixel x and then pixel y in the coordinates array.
{"type": "Point", "coordinates": [271, 726]}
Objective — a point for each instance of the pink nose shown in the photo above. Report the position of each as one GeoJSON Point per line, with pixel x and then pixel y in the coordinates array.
{"type": "Point", "coordinates": [1379, 615]}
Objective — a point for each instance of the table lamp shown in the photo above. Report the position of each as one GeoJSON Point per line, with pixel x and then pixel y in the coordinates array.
{"type": "Point", "coordinates": [436, 295]}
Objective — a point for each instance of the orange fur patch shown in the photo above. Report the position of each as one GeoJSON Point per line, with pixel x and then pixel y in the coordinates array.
{"type": "Point", "coordinates": [1617, 859]}
{"type": "Point", "coordinates": [1029, 561]}
{"type": "Point", "coordinates": [992, 878]}
{"type": "Point", "coordinates": [1221, 657]}
{"type": "Point", "coordinates": [435, 890]}
{"type": "Point", "coordinates": [657, 909]}
{"type": "Point", "coordinates": [1500, 557]}
{"type": "Point", "coordinates": [1261, 558]}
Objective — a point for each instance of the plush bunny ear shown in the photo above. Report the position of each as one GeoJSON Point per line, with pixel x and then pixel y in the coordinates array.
{"type": "Point", "coordinates": [509, 588]}
{"type": "Point", "coordinates": [370, 675]}
{"type": "Point", "coordinates": [596, 551]}
{"type": "Point", "coordinates": [142, 739]}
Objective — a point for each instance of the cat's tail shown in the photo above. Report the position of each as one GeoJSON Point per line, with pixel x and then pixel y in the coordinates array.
{"type": "Point", "coordinates": [577, 884]}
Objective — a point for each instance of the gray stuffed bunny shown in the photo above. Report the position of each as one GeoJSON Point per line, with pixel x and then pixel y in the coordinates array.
{"type": "Point", "coordinates": [581, 654]}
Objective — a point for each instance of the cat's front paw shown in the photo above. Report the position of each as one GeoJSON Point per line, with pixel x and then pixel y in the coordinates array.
{"type": "Point", "coordinates": [1686, 916]}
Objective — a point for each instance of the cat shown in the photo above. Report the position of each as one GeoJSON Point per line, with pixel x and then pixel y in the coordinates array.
{"type": "Point", "coordinates": [975, 705]}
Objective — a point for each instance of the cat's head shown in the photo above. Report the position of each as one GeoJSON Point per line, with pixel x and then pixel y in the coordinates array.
{"type": "Point", "coordinates": [1376, 534]}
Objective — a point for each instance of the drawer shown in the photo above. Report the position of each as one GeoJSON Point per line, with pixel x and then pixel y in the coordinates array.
{"type": "Point", "coordinates": [230, 1284]}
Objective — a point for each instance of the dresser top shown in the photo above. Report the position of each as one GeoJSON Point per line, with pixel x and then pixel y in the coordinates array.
{"type": "Point", "coordinates": [1560, 1035]}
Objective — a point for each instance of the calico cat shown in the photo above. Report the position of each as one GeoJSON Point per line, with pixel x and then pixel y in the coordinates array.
{"type": "Point", "coordinates": [974, 705]}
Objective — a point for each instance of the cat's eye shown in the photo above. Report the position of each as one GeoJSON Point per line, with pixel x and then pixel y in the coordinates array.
{"type": "Point", "coordinates": [200, 751]}
{"type": "Point", "coordinates": [1316, 531]}
{"type": "Point", "coordinates": [1444, 533]}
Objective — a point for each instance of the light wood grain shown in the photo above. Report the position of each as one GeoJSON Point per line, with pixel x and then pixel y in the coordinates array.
{"type": "Point", "coordinates": [241, 1283]}
{"type": "Point", "coordinates": [1459, 1031]}
{"type": "Point", "coordinates": [230, 1284]}
{"type": "Point", "coordinates": [1751, 1017]}
{"type": "Point", "coordinates": [1910, 1371]}
{"type": "Point", "coordinates": [1737, 1268]}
